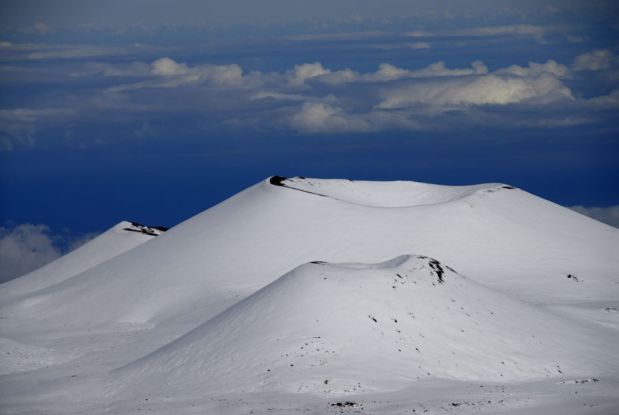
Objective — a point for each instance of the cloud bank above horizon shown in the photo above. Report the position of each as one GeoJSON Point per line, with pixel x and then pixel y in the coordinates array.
{"type": "Point", "coordinates": [310, 98]}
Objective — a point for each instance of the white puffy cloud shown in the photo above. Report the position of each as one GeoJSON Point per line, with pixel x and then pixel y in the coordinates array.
{"type": "Point", "coordinates": [169, 67]}
{"type": "Point", "coordinates": [216, 74]}
{"type": "Point", "coordinates": [388, 72]}
{"type": "Point", "coordinates": [313, 98]}
{"type": "Point", "coordinates": [594, 61]}
{"type": "Point", "coordinates": [25, 248]}
{"type": "Point", "coordinates": [167, 73]}
{"type": "Point", "coordinates": [475, 90]}
{"type": "Point", "coordinates": [417, 99]}
{"type": "Point", "coordinates": [301, 73]}
{"type": "Point", "coordinates": [316, 117]}
{"type": "Point", "coordinates": [439, 69]}
{"type": "Point", "coordinates": [608, 215]}
{"type": "Point", "coordinates": [385, 72]}
{"type": "Point", "coordinates": [536, 69]}
{"type": "Point", "coordinates": [328, 116]}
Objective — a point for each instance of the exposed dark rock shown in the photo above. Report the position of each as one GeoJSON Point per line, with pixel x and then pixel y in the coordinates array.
{"type": "Point", "coordinates": [148, 230]}
{"type": "Point", "coordinates": [438, 269]}
{"type": "Point", "coordinates": [277, 180]}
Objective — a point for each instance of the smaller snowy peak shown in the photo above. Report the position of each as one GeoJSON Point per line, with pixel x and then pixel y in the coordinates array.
{"type": "Point", "coordinates": [394, 194]}
{"type": "Point", "coordinates": [350, 328]}
{"type": "Point", "coordinates": [120, 238]}
{"type": "Point", "coordinates": [138, 227]}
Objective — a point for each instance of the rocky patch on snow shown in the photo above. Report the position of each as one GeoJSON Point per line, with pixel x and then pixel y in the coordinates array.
{"type": "Point", "coordinates": [147, 230]}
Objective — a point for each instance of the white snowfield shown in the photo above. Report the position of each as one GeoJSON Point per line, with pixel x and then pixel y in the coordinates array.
{"type": "Point", "coordinates": [326, 296]}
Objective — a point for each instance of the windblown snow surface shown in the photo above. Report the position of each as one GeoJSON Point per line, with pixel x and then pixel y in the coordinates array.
{"type": "Point", "coordinates": [326, 296]}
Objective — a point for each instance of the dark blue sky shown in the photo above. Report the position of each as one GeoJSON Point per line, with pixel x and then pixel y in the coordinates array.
{"type": "Point", "coordinates": [139, 113]}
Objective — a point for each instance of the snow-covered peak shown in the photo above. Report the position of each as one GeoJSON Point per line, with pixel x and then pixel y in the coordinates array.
{"type": "Point", "coordinates": [120, 238]}
{"type": "Point", "coordinates": [353, 328]}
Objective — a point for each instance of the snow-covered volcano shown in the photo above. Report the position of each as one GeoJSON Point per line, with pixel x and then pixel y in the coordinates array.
{"type": "Point", "coordinates": [356, 327]}
{"type": "Point", "coordinates": [267, 292]}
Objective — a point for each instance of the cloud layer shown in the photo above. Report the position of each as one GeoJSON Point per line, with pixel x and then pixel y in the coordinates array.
{"type": "Point", "coordinates": [312, 98]}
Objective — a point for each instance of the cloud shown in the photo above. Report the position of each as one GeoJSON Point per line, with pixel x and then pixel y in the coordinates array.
{"type": "Point", "coordinates": [438, 69]}
{"type": "Point", "coordinates": [518, 30]}
{"type": "Point", "coordinates": [168, 67]}
{"type": "Point", "coordinates": [44, 51]}
{"type": "Point", "coordinates": [385, 72]}
{"type": "Point", "coordinates": [316, 117]}
{"type": "Point", "coordinates": [596, 60]}
{"type": "Point", "coordinates": [301, 73]}
{"type": "Point", "coordinates": [536, 69]}
{"type": "Point", "coordinates": [312, 98]}
{"type": "Point", "coordinates": [608, 215]}
{"type": "Point", "coordinates": [182, 74]}
{"type": "Point", "coordinates": [25, 248]}
{"type": "Point", "coordinates": [400, 45]}
{"type": "Point", "coordinates": [491, 89]}
{"type": "Point", "coordinates": [511, 30]}
{"type": "Point", "coordinates": [167, 73]}
{"type": "Point", "coordinates": [610, 101]}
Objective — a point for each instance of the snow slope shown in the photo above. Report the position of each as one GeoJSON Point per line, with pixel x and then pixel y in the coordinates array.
{"type": "Point", "coordinates": [502, 237]}
{"type": "Point", "coordinates": [355, 328]}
